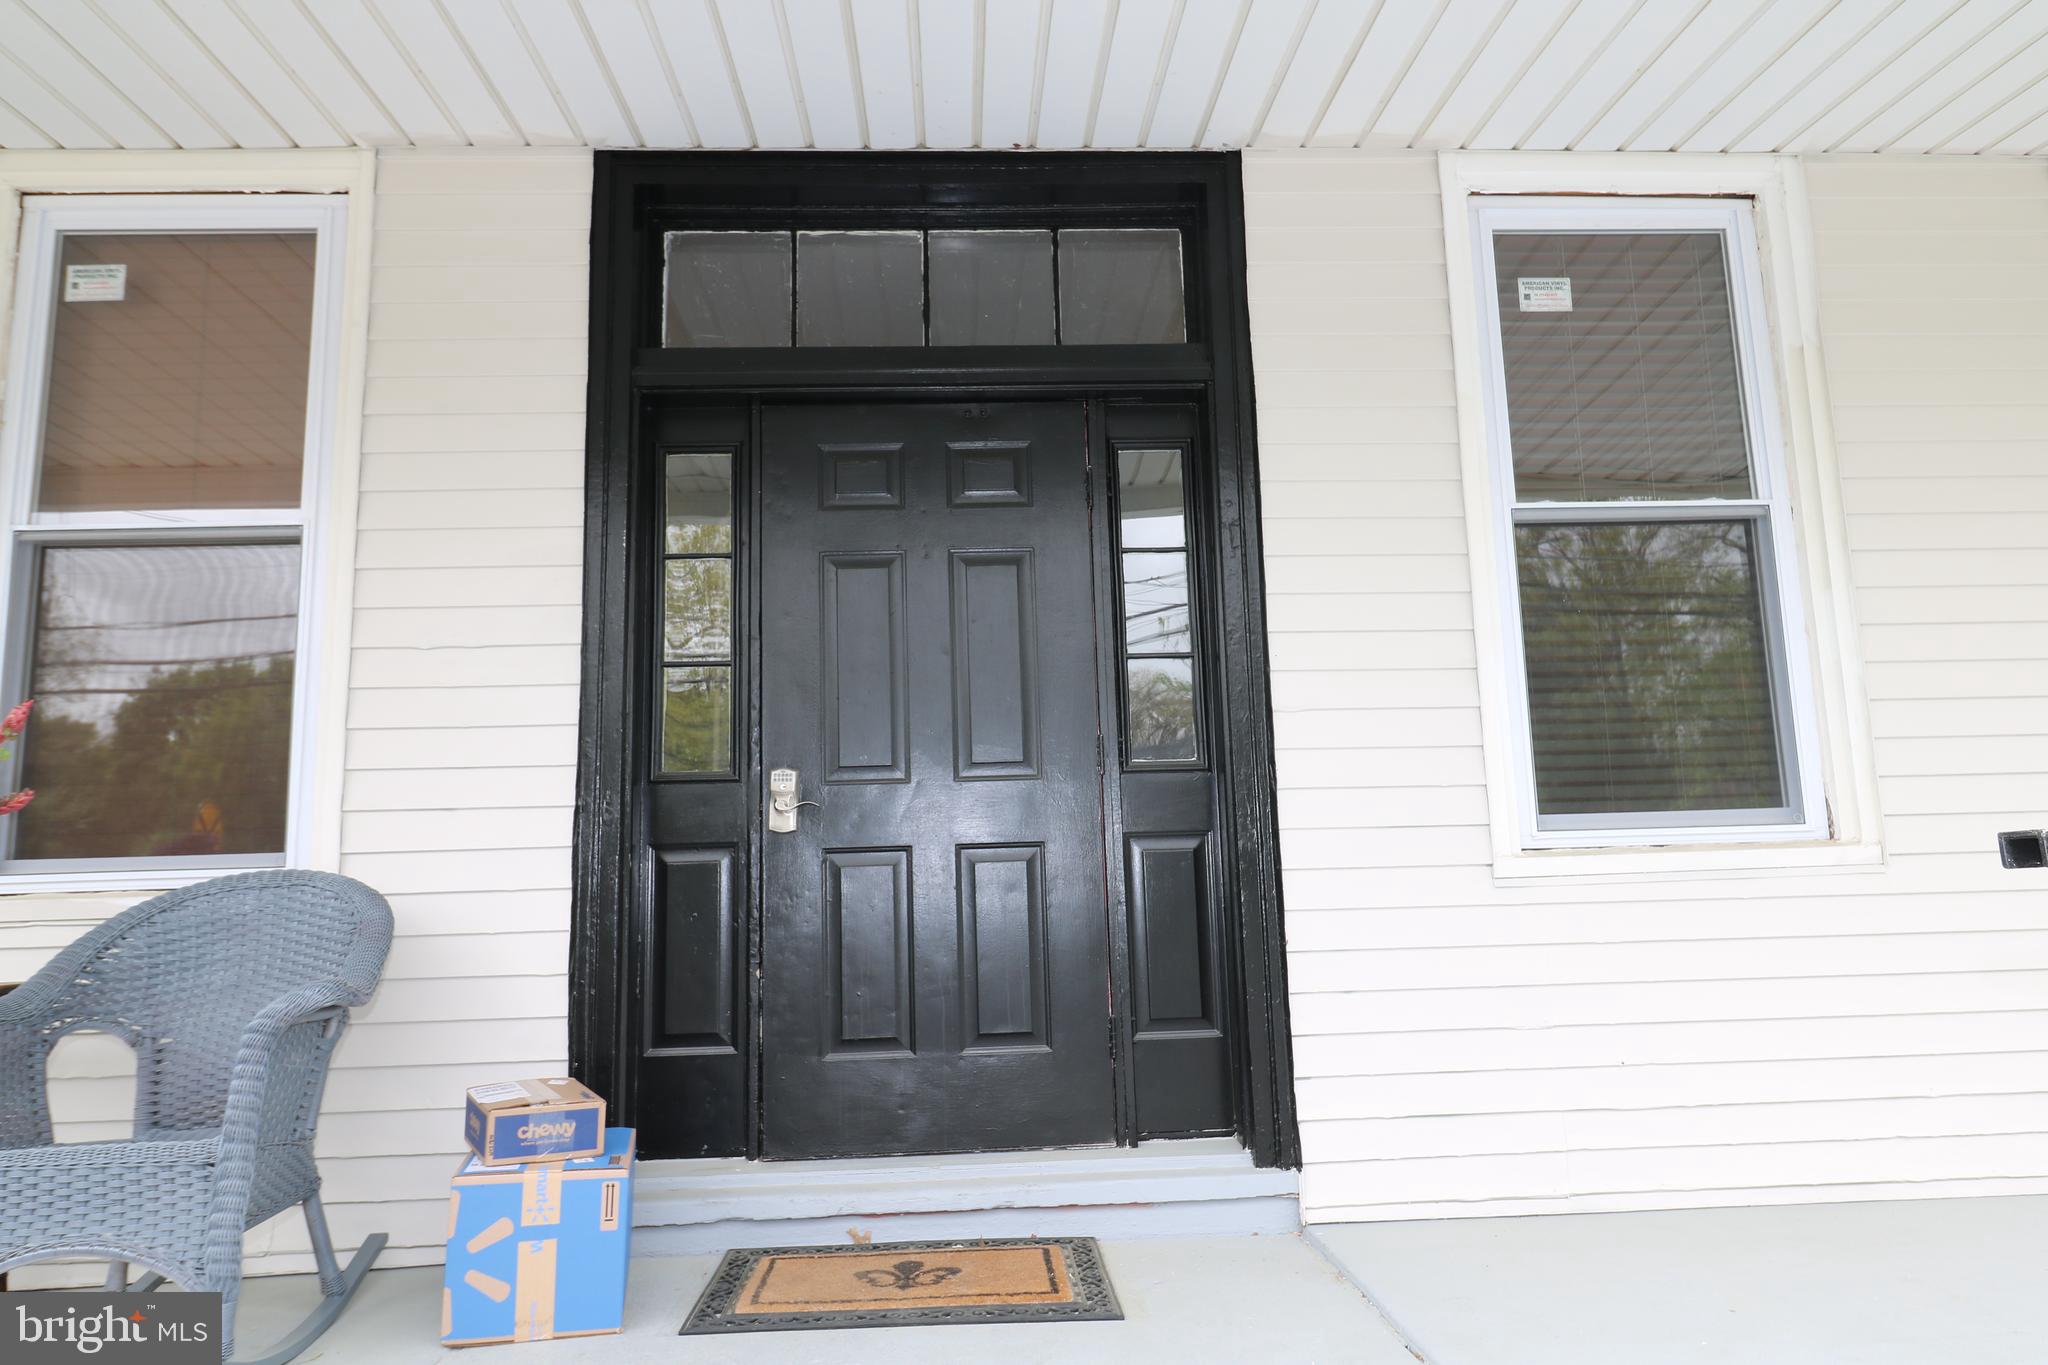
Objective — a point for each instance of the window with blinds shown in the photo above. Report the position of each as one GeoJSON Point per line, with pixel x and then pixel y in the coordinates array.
{"type": "Point", "coordinates": [1643, 520]}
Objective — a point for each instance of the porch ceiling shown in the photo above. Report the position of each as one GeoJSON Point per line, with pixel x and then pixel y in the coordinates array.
{"type": "Point", "coordinates": [1946, 76]}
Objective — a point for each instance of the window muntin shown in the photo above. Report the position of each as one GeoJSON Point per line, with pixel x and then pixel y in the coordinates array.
{"type": "Point", "coordinates": [1646, 527]}
{"type": "Point", "coordinates": [912, 287]}
{"type": "Point", "coordinates": [697, 604]}
{"type": "Point", "coordinates": [156, 529]}
{"type": "Point", "coordinates": [1161, 708]}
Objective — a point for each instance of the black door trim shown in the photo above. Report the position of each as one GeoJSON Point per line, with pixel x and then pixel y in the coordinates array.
{"type": "Point", "coordinates": [636, 195]}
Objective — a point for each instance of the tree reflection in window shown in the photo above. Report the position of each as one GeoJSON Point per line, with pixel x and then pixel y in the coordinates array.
{"type": "Point", "coordinates": [163, 678]}
{"type": "Point", "coordinates": [1649, 673]}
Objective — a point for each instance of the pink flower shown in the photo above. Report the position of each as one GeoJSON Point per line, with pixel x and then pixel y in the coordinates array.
{"type": "Point", "coordinates": [10, 804]}
{"type": "Point", "coordinates": [16, 721]}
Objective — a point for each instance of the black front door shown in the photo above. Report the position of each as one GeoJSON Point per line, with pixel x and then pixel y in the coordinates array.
{"type": "Point", "coordinates": [934, 931]}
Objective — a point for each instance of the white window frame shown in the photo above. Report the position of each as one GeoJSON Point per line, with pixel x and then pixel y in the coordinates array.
{"type": "Point", "coordinates": [1804, 815]}
{"type": "Point", "coordinates": [1757, 204]}
{"type": "Point", "coordinates": [45, 221]}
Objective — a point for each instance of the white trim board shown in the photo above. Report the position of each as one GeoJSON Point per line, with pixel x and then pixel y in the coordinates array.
{"type": "Point", "coordinates": [1790, 341]}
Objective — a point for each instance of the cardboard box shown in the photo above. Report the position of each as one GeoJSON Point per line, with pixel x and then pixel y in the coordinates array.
{"type": "Point", "coordinates": [548, 1120]}
{"type": "Point", "coordinates": [539, 1251]}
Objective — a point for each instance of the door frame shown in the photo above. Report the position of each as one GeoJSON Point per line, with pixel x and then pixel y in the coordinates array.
{"type": "Point", "coordinates": [636, 196]}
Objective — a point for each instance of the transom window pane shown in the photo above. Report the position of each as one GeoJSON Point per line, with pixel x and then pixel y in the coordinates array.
{"type": "Point", "coordinates": [163, 684]}
{"type": "Point", "coordinates": [860, 288]}
{"type": "Point", "coordinates": [178, 370]}
{"type": "Point", "coordinates": [1648, 667]}
{"type": "Point", "coordinates": [1121, 286]}
{"type": "Point", "coordinates": [992, 289]}
{"type": "Point", "coordinates": [943, 287]}
{"type": "Point", "coordinates": [729, 289]}
{"type": "Point", "coordinates": [1622, 373]}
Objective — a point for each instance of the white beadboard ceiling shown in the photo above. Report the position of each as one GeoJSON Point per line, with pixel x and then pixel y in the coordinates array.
{"type": "Point", "coordinates": [1964, 77]}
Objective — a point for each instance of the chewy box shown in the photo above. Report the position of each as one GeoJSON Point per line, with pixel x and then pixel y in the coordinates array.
{"type": "Point", "coordinates": [550, 1120]}
{"type": "Point", "coordinates": [539, 1250]}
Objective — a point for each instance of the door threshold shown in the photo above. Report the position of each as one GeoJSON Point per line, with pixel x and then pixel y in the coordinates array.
{"type": "Point", "coordinates": [1186, 1187]}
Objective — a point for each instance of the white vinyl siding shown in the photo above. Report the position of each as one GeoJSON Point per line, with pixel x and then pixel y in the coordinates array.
{"type": "Point", "coordinates": [1468, 1047]}
{"type": "Point", "coordinates": [462, 703]}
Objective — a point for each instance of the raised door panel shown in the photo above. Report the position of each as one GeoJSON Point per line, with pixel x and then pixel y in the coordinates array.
{"type": "Point", "coordinates": [868, 1003]}
{"type": "Point", "coordinates": [1002, 946]}
{"type": "Point", "coordinates": [995, 664]}
{"type": "Point", "coordinates": [864, 677]}
{"type": "Point", "coordinates": [696, 991]}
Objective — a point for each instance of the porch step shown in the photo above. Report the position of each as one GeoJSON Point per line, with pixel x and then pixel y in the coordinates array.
{"type": "Point", "coordinates": [1196, 1187]}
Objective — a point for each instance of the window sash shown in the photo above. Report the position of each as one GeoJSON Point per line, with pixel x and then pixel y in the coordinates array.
{"type": "Point", "coordinates": [1757, 515]}
{"type": "Point", "coordinates": [24, 531]}
{"type": "Point", "coordinates": [1803, 816]}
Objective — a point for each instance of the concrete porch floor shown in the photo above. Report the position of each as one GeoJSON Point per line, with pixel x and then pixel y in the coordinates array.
{"type": "Point", "coordinates": [1269, 1298]}
{"type": "Point", "coordinates": [1834, 1284]}
{"type": "Point", "coordinates": [1888, 1283]}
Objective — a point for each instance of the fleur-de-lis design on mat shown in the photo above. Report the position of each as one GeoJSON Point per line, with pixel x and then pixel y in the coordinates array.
{"type": "Point", "coordinates": [907, 1275]}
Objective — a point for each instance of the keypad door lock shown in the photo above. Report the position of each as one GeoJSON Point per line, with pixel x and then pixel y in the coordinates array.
{"type": "Point", "coordinates": [782, 802]}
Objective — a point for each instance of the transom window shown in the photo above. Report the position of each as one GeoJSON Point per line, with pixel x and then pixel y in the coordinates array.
{"type": "Point", "coordinates": [1661, 674]}
{"type": "Point", "coordinates": [163, 439]}
{"type": "Point", "coordinates": [942, 287]}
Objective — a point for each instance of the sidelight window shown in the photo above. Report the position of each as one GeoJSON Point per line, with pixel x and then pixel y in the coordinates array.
{"type": "Point", "coordinates": [1160, 697]}
{"type": "Point", "coordinates": [1647, 526]}
{"type": "Point", "coordinates": [943, 287]}
{"type": "Point", "coordinates": [697, 615]}
{"type": "Point", "coordinates": [164, 457]}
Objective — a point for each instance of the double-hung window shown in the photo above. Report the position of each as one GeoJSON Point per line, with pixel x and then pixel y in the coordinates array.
{"type": "Point", "coordinates": [1657, 663]}
{"type": "Point", "coordinates": [171, 387]}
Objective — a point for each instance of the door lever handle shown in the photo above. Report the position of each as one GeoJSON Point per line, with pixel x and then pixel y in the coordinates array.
{"type": "Point", "coordinates": [782, 802]}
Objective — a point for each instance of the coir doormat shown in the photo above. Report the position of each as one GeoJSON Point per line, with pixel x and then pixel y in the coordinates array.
{"type": "Point", "coordinates": [906, 1284]}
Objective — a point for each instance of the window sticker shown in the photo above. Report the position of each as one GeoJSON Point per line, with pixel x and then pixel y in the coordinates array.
{"type": "Point", "coordinates": [95, 283]}
{"type": "Point", "coordinates": [1544, 293]}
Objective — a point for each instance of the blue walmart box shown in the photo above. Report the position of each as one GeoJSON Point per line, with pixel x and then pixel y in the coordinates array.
{"type": "Point", "coordinates": [539, 1251]}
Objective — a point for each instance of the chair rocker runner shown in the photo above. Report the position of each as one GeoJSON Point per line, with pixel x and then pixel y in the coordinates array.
{"type": "Point", "coordinates": [233, 994]}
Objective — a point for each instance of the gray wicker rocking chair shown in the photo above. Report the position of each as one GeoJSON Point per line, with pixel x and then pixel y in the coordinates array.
{"type": "Point", "coordinates": [233, 994]}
